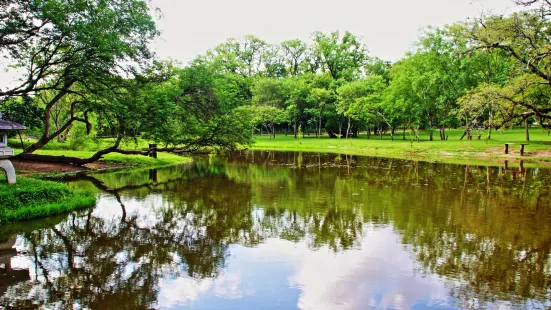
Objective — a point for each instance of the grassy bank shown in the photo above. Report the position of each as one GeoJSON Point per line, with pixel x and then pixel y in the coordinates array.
{"type": "Point", "coordinates": [453, 150]}
{"type": "Point", "coordinates": [86, 150]}
{"type": "Point", "coordinates": [32, 198]}
{"type": "Point", "coordinates": [163, 159]}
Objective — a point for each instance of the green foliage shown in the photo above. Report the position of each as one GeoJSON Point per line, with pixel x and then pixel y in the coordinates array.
{"type": "Point", "coordinates": [523, 36]}
{"type": "Point", "coordinates": [489, 72]}
{"type": "Point", "coordinates": [67, 52]}
{"type": "Point", "coordinates": [341, 55]}
{"type": "Point", "coordinates": [22, 110]}
{"type": "Point", "coordinates": [79, 138]}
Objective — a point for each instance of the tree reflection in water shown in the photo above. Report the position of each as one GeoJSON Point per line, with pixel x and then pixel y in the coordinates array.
{"type": "Point", "coordinates": [488, 229]}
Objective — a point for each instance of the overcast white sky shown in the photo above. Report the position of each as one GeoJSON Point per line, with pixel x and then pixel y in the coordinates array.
{"type": "Point", "coordinates": [389, 28]}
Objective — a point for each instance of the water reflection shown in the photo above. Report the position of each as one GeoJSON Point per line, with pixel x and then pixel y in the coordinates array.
{"type": "Point", "coordinates": [291, 230]}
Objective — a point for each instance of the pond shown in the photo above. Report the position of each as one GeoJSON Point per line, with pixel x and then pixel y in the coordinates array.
{"type": "Point", "coordinates": [268, 230]}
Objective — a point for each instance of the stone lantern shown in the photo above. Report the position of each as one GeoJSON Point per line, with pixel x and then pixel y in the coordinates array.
{"type": "Point", "coordinates": [5, 151]}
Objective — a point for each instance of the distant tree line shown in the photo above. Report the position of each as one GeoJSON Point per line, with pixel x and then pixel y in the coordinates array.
{"type": "Point", "coordinates": [88, 70]}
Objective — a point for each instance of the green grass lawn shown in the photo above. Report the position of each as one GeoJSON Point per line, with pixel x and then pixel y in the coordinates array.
{"type": "Point", "coordinates": [32, 198]}
{"type": "Point", "coordinates": [451, 151]}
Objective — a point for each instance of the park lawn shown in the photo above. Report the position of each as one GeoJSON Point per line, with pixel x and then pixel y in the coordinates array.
{"type": "Point", "coordinates": [454, 150]}
{"type": "Point", "coordinates": [32, 198]}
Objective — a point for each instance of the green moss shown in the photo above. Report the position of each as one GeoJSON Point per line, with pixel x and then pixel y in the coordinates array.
{"type": "Point", "coordinates": [32, 198]}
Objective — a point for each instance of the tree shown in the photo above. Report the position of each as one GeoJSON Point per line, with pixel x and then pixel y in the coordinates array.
{"type": "Point", "coordinates": [341, 56]}
{"type": "Point", "coordinates": [433, 78]}
{"type": "Point", "coordinates": [295, 52]}
{"type": "Point", "coordinates": [322, 98]}
{"type": "Point", "coordinates": [76, 48]}
{"type": "Point", "coordinates": [269, 98]}
{"type": "Point", "coordinates": [361, 101]}
{"type": "Point", "coordinates": [515, 102]}
{"type": "Point", "coordinates": [298, 92]}
{"type": "Point", "coordinates": [240, 56]}
{"type": "Point", "coordinates": [274, 62]}
{"type": "Point", "coordinates": [525, 37]}
{"type": "Point", "coordinates": [201, 105]}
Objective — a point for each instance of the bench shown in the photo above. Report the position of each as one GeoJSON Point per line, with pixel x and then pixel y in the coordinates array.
{"type": "Point", "coordinates": [521, 147]}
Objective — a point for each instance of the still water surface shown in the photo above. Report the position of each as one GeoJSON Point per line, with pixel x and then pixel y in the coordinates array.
{"type": "Point", "coordinates": [265, 230]}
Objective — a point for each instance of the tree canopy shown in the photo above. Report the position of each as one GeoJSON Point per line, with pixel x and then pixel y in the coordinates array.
{"type": "Point", "coordinates": [89, 63]}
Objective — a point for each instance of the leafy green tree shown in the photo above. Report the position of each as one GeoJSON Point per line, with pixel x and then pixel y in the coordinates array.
{"type": "Point", "coordinates": [341, 55]}
{"type": "Point", "coordinates": [240, 56]}
{"type": "Point", "coordinates": [524, 36]}
{"type": "Point", "coordinates": [513, 103]}
{"type": "Point", "coordinates": [322, 98]}
{"type": "Point", "coordinates": [371, 107]}
{"type": "Point", "coordinates": [295, 53]}
{"type": "Point", "coordinates": [196, 109]}
{"type": "Point", "coordinates": [73, 48]}
{"type": "Point", "coordinates": [24, 111]}
{"type": "Point", "coordinates": [298, 101]}
{"type": "Point", "coordinates": [361, 101]}
{"type": "Point", "coordinates": [274, 62]}
{"type": "Point", "coordinates": [269, 99]}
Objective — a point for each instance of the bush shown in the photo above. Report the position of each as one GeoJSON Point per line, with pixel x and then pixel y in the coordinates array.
{"type": "Point", "coordinates": [79, 139]}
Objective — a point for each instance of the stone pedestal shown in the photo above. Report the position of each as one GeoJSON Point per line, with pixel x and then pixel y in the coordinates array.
{"type": "Point", "coordinates": [10, 171]}
{"type": "Point", "coordinates": [6, 152]}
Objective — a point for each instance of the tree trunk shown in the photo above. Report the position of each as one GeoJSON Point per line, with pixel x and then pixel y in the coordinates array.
{"type": "Point", "coordinates": [415, 134]}
{"type": "Point", "coordinates": [490, 122]}
{"type": "Point", "coordinates": [526, 129]}
{"type": "Point", "coordinates": [153, 150]}
{"type": "Point", "coordinates": [21, 139]}
{"type": "Point", "coordinates": [348, 128]}
{"type": "Point", "coordinates": [466, 127]}
{"type": "Point", "coordinates": [404, 133]}
{"type": "Point", "coordinates": [319, 130]}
